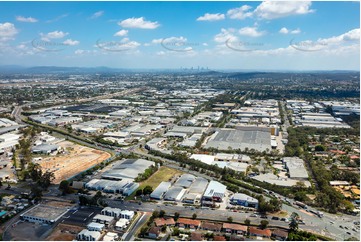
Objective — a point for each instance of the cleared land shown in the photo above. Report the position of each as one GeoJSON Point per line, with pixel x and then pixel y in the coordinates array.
{"type": "Point", "coordinates": [75, 159]}
{"type": "Point", "coordinates": [64, 232]}
{"type": "Point", "coordinates": [163, 174]}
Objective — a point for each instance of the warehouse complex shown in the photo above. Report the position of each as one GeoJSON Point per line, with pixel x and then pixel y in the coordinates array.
{"type": "Point", "coordinates": [120, 177]}
{"type": "Point", "coordinates": [241, 138]}
{"type": "Point", "coordinates": [190, 189]}
{"type": "Point", "coordinates": [127, 169]}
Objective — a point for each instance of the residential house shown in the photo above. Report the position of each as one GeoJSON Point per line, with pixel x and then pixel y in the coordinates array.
{"type": "Point", "coordinates": [154, 232]}
{"type": "Point", "coordinates": [280, 234]}
{"type": "Point", "coordinates": [188, 223]}
{"type": "Point", "coordinates": [159, 222]}
{"type": "Point", "coordinates": [232, 228]}
{"type": "Point", "coordinates": [265, 233]}
{"type": "Point", "coordinates": [211, 227]}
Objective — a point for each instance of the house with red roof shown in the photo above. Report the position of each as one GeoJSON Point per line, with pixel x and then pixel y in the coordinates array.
{"type": "Point", "coordinates": [265, 233]}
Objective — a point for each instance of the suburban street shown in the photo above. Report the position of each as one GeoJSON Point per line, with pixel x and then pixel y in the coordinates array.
{"type": "Point", "coordinates": [322, 226]}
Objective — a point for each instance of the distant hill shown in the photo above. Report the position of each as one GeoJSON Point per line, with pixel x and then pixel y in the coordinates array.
{"type": "Point", "coordinates": [236, 74]}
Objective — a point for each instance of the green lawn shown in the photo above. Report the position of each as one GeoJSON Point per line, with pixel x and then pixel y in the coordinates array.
{"type": "Point", "coordinates": [163, 174]}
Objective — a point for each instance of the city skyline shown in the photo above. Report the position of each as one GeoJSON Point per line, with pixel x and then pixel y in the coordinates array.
{"type": "Point", "coordinates": [218, 35]}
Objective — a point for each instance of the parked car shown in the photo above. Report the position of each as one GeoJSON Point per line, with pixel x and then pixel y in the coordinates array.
{"type": "Point", "coordinates": [264, 216]}
{"type": "Point", "coordinates": [275, 218]}
{"type": "Point", "coordinates": [253, 215]}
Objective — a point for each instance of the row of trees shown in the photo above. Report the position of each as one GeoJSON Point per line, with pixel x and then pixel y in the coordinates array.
{"type": "Point", "coordinates": [146, 174]}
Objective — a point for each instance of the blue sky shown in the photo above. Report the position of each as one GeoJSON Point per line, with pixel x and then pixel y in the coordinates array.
{"type": "Point", "coordinates": [218, 35]}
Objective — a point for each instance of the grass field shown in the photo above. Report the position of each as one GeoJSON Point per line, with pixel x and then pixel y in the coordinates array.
{"type": "Point", "coordinates": [163, 174]}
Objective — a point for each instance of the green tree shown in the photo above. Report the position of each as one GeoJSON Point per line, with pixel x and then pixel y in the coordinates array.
{"type": "Point", "coordinates": [176, 216]}
{"type": "Point", "coordinates": [175, 231]}
{"type": "Point", "coordinates": [293, 225]}
{"type": "Point", "coordinates": [46, 179]}
{"type": "Point", "coordinates": [230, 219]}
{"type": "Point", "coordinates": [147, 190]}
{"type": "Point", "coordinates": [155, 214]}
{"type": "Point", "coordinates": [194, 216]}
{"type": "Point", "coordinates": [320, 148]}
{"type": "Point", "coordinates": [139, 192]}
{"type": "Point", "coordinates": [64, 187]}
{"type": "Point", "coordinates": [161, 213]}
{"type": "Point", "coordinates": [247, 222]}
{"type": "Point", "coordinates": [83, 201]}
{"type": "Point", "coordinates": [36, 192]}
{"type": "Point", "coordinates": [264, 224]}
{"type": "Point", "coordinates": [143, 231]}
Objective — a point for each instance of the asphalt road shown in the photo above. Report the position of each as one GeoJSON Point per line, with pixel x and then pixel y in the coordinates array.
{"type": "Point", "coordinates": [129, 236]}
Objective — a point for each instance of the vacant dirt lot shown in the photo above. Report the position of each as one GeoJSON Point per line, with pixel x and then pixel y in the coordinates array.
{"type": "Point", "coordinates": [64, 232]}
{"type": "Point", "coordinates": [75, 159]}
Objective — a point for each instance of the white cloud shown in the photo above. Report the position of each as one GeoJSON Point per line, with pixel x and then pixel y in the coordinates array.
{"type": "Point", "coordinates": [337, 44]}
{"type": "Point", "coordinates": [225, 35]}
{"type": "Point", "coordinates": [251, 32]}
{"type": "Point", "coordinates": [121, 33]}
{"type": "Point", "coordinates": [7, 31]}
{"type": "Point", "coordinates": [97, 14]}
{"type": "Point", "coordinates": [279, 9]}
{"type": "Point", "coordinates": [116, 46]}
{"type": "Point", "coordinates": [140, 23]}
{"type": "Point", "coordinates": [240, 13]}
{"type": "Point", "coordinates": [174, 40]}
{"type": "Point", "coordinates": [284, 30]}
{"type": "Point", "coordinates": [71, 42]}
{"type": "Point", "coordinates": [352, 35]}
{"type": "Point", "coordinates": [54, 35]}
{"type": "Point", "coordinates": [27, 20]}
{"type": "Point", "coordinates": [83, 52]}
{"type": "Point", "coordinates": [296, 31]}
{"type": "Point", "coordinates": [211, 17]}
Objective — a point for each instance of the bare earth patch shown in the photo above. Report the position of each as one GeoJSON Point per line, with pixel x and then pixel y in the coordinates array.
{"type": "Point", "coordinates": [64, 232]}
{"type": "Point", "coordinates": [76, 159]}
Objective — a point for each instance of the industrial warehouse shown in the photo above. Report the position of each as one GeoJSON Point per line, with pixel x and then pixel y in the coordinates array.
{"type": "Point", "coordinates": [119, 178]}
{"type": "Point", "coordinates": [256, 138]}
{"type": "Point", "coordinates": [44, 213]}
{"type": "Point", "coordinates": [190, 189]}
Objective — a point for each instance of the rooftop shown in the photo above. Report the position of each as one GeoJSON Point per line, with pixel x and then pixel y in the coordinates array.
{"type": "Point", "coordinates": [251, 138]}
{"type": "Point", "coordinates": [45, 212]}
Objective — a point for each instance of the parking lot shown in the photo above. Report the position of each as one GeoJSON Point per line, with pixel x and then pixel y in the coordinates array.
{"type": "Point", "coordinates": [25, 231]}
{"type": "Point", "coordinates": [80, 216]}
